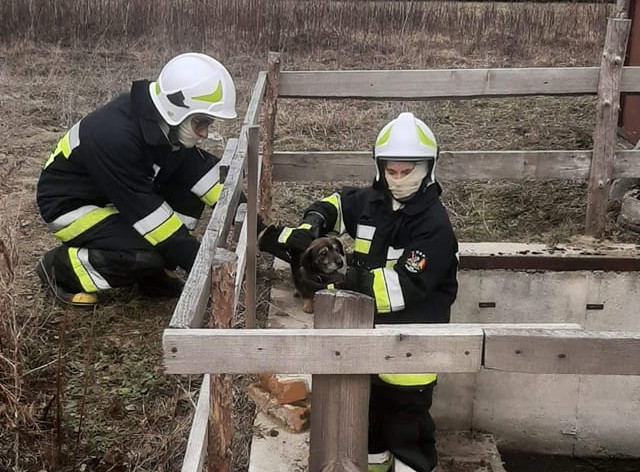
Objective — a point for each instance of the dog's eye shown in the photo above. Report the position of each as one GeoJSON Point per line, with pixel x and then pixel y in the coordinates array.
{"type": "Point", "coordinates": [323, 251]}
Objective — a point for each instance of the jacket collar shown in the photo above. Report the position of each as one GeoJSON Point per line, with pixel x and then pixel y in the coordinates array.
{"type": "Point", "coordinates": [144, 109]}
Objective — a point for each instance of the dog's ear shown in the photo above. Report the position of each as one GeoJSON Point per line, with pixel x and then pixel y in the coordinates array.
{"type": "Point", "coordinates": [306, 260]}
{"type": "Point", "coordinates": [338, 245]}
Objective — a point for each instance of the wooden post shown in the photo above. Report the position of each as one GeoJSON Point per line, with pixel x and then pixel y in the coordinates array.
{"type": "Point", "coordinates": [340, 403]}
{"type": "Point", "coordinates": [271, 108]}
{"type": "Point", "coordinates": [604, 136]}
{"type": "Point", "coordinates": [223, 274]}
{"type": "Point", "coordinates": [630, 106]}
{"type": "Point", "coordinates": [253, 140]}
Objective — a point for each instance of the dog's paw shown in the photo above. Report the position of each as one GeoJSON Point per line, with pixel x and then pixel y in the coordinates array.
{"type": "Point", "coordinates": [307, 305]}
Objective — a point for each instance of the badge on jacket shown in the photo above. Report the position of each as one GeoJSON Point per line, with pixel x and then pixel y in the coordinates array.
{"type": "Point", "coordinates": [416, 261]}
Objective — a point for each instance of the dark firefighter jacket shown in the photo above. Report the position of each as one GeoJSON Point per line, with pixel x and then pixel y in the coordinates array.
{"type": "Point", "coordinates": [116, 160]}
{"type": "Point", "coordinates": [411, 252]}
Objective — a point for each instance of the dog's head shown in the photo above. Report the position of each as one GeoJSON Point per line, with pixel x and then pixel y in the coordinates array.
{"type": "Point", "coordinates": [324, 256]}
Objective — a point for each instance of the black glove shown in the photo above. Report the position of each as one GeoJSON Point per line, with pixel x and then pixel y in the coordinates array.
{"type": "Point", "coordinates": [357, 280]}
{"type": "Point", "coordinates": [268, 241]}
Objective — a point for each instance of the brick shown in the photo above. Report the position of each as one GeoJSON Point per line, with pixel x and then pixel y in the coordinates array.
{"type": "Point", "coordinates": [293, 417]}
{"type": "Point", "coordinates": [285, 389]}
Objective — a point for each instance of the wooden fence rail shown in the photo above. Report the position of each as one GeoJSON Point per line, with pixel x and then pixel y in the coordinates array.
{"type": "Point", "coordinates": [448, 83]}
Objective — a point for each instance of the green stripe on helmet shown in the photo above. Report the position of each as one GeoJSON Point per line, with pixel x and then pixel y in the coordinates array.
{"type": "Point", "coordinates": [424, 139]}
{"type": "Point", "coordinates": [212, 97]}
{"type": "Point", "coordinates": [384, 137]}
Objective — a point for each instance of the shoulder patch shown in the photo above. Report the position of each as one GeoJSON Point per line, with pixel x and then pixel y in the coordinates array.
{"type": "Point", "coordinates": [415, 262]}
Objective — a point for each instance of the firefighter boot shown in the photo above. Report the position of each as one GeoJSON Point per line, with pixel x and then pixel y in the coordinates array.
{"type": "Point", "coordinates": [53, 271]}
{"type": "Point", "coordinates": [162, 283]}
{"type": "Point", "coordinates": [380, 462]}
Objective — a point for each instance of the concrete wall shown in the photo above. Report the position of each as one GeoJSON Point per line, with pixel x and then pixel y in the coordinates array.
{"type": "Point", "coordinates": [564, 414]}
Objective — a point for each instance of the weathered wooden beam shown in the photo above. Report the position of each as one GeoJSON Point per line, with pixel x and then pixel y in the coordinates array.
{"type": "Point", "coordinates": [191, 305]}
{"type": "Point", "coordinates": [227, 156]}
{"type": "Point", "coordinates": [540, 351]}
{"type": "Point", "coordinates": [604, 136]}
{"type": "Point", "coordinates": [252, 232]}
{"type": "Point", "coordinates": [331, 166]}
{"type": "Point", "coordinates": [271, 109]}
{"type": "Point", "coordinates": [223, 274]}
{"type": "Point", "coordinates": [197, 442]}
{"type": "Point", "coordinates": [326, 351]}
{"type": "Point", "coordinates": [447, 83]}
{"type": "Point", "coordinates": [339, 417]}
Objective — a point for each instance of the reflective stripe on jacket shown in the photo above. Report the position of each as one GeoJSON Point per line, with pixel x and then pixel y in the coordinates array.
{"type": "Point", "coordinates": [116, 160]}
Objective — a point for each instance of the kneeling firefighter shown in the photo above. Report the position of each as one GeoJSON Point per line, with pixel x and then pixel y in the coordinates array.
{"type": "Point", "coordinates": [123, 189]}
{"type": "Point", "coordinates": [405, 257]}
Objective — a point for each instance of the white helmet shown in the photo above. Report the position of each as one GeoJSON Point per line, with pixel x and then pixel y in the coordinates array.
{"type": "Point", "coordinates": [191, 84]}
{"type": "Point", "coordinates": [406, 138]}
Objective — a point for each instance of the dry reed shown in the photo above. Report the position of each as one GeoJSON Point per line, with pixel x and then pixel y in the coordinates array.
{"type": "Point", "coordinates": [305, 25]}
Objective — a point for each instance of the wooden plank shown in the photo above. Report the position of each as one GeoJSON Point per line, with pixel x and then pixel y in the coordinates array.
{"type": "Point", "coordinates": [447, 83]}
{"type": "Point", "coordinates": [331, 166]}
{"type": "Point", "coordinates": [252, 231]}
{"type": "Point", "coordinates": [192, 303]}
{"type": "Point", "coordinates": [255, 103]}
{"type": "Point", "coordinates": [222, 288]}
{"type": "Point", "coordinates": [227, 155]}
{"type": "Point", "coordinates": [436, 348]}
{"type": "Point", "coordinates": [195, 453]}
{"type": "Point", "coordinates": [438, 83]}
{"type": "Point", "coordinates": [542, 351]}
{"type": "Point", "coordinates": [626, 164]}
{"type": "Point", "coordinates": [271, 109]}
{"type": "Point", "coordinates": [485, 326]}
{"type": "Point", "coordinates": [238, 221]}
{"type": "Point", "coordinates": [241, 252]}
{"type": "Point", "coordinates": [339, 417]}
{"type": "Point", "coordinates": [604, 136]}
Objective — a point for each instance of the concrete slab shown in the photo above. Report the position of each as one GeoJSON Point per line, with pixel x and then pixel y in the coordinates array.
{"type": "Point", "coordinates": [274, 449]}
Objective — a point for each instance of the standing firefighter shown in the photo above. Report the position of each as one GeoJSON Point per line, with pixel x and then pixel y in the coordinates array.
{"type": "Point", "coordinates": [405, 257]}
{"type": "Point", "coordinates": [125, 186]}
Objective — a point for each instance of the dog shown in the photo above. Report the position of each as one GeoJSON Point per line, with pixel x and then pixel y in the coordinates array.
{"type": "Point", "coordinates": [316, 268]}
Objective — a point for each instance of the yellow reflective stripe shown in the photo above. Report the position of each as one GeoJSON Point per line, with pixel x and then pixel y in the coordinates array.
{"type": "Point", "coordinates": [362, 246]}
{"type": "Point", "coordinates": [408, 380]}
{"type": "Point", "coordinates": [80, 271]}
{"type": "Point", "coordinates": [390, 264]}
{"type": "Point", "coordinates": [83, 223]}
{"type": "Point", "coordinates": [211, 197]}
{"type": "Point", "coordinates": [164, 231]}
{"type": "Point", "coordinates": [383, 305]}
{"type": "Point", "coordinates": [387, 290]}
{"type": "Point", "coordinates": [68, 143]}
{"type": "Point", "coordinates": [334, 199]}
{"type": "Point", "coordinates": [286, 232]}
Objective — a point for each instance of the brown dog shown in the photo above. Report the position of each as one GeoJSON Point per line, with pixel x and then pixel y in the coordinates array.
{"type": "Point", "coordinates": [316, 268]}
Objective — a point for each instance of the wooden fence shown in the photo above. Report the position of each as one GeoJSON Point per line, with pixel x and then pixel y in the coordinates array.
{"type": "Point", "coordinates": [347, 353]}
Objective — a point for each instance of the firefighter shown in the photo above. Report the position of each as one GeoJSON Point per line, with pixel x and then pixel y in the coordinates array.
{"type": "Point", "coordinates": [405, 257]}
{"type": "Point", "coordinates": [125, 186]}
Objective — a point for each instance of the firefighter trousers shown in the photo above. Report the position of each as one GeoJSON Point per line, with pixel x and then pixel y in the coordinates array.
{"type": "Point", "coordinates": [400, 422]}
{"type": "Point", "coordinates": [112, 253]}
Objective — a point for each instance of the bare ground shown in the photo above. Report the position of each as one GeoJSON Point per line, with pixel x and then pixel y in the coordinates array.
{"type": "Point", "coordinates": [86, 391]}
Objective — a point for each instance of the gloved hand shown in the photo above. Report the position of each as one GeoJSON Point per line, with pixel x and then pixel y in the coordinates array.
{"type": "Point", "coordinates": [357, 280]}
{"type": "Point", "coordinates": [296, 239]}
{"type": "Point", "coordinates": [268, 241]}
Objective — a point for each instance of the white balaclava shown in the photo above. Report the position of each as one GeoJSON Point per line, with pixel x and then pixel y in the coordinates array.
{"type": "Point", "coordinates": [406, 186]}
{"type": "Point", "coordinates": [186, 134]}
